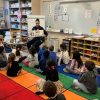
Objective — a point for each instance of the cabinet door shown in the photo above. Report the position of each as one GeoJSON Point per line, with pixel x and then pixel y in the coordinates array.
{"type": "Point", "coordinates": [55, 43]}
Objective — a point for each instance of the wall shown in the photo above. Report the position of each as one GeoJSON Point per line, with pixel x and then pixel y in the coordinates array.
{"type": "Point", "coordinates": [1, 3]}
{"type": "Point", "coordinates": [36, 7]}
{"type": "Point", "coordinates": [76, 13]}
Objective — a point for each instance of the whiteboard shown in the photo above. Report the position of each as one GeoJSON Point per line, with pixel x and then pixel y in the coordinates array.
{"type": "Point", "coordinates": [82, 17]}
{"type": "Point", "coordinates": [31, 22]}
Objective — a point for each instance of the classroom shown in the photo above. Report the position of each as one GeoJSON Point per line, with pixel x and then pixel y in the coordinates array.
{"type": "Point", "coordinates": [49, 49]}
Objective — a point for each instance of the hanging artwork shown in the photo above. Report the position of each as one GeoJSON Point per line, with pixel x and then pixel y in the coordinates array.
{"type": "Point", "coordinates": [65, 17]}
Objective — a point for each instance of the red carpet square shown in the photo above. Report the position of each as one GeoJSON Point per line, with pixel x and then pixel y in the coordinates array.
{"type": "Point", "coordinates": [24, 95]}
{"type": "Point", "coordinates": [2, 78]}
{"type": "Point", "coordinates": [8, 88]}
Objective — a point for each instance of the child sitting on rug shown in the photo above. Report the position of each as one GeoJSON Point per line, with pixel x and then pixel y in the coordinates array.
{"type": "Point", "coordinates": [51, 75]}
{"type": "Point", "coordinates": [43, 62]}
{"type": "Point", "coordinates": [32, 59]}
{"type": "Point", "coordinates": [63, 57]}
{"type": "Point", "coordinates": [76, 64]}
{"type": "Point", "coordinates": [87, 81]}
{"type": "Point", "coordinates": [13, 68]}
{"type": "Point", "coordinates": [3, 58]}
{"type": "Point", "coordinates": [50, 90]}
{"type": "Point", "coordinates": [42, 48]}
{"type": "Point", "coordinates": [53, 55]}
{"type": "Point", "coordinates": [19, 53]}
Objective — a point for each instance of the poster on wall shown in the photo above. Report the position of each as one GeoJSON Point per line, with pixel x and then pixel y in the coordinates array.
{"type": "Point", "coordinates": [98, 26]}
{"type": "Point", "coordinates": [88, 14]}
{"type": "Point", "coordinates": [65, 17]}
{"type": "Point", "coordinates": [55, 17]}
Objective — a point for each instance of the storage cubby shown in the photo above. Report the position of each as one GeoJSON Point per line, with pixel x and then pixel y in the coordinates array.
{"type": "Point", "coordinates": [87, 52]}
{"type": "Point", "coordinates": [89, 49]}
{"type": "Point", "coordinates": [81, 41]}
{"type": "Point", "coordinates": [94, 58]}
{"type": "Point", "coordinates": [99, 60]}
{"type": "Point", "coordinates": [87, 42]}
{"type": "Point", "coordinates": [95, 48]}
{"type": "Point", "coordinates": [86, 57]}
{"type": "Point", "coordinates": [80, 45]}
{"type": "Point", "coordinates": [95, 44]}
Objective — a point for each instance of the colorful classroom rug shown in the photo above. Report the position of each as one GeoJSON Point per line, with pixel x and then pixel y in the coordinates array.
{"type": "Point", "coordinates": [67, 81]}
{"type": "Point", "coordinates": [26, 76]}
{"type": "Point", "coordinates": [60, 69]}
{"type": "Point", "coordinates": [10, 90]}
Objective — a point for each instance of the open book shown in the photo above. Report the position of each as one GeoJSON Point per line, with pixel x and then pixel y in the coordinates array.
{"type": "Point", "coordinates": [37, 33]}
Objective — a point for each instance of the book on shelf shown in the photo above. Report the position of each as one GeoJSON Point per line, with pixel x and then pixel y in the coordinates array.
{"type": "Point", "coordinates": [16, 26]}
{"type": "Point", "coordinates": [26, 4]}
{"type": "Point", "coordinates": [14, 12]}
{"type": "Point", "coordinates": [15, 19]}
{"type": "Point", "coordinates": [24, 33]}
{"type": "Point", "coordinates": [26, 12]}
{"type": "Point", "coordinates": [24, 27]}
{"type": "Point", "coordinates": [14, 5]}
{"type": "Point", "coordinates": [24, 20]}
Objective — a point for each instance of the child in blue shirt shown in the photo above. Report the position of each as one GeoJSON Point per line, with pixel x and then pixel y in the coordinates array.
{"type": "Point", "coordinates": [53, 55]}
{"type": "Point", "coordinates": [41, 51]}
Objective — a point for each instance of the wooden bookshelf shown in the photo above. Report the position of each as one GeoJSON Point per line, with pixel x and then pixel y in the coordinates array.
{"type": "Point", "coordinates": [89, 49]}
{"type": "Point", "coordinates": [19, 9]}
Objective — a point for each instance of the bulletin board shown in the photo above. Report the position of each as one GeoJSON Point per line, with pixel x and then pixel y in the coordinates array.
{"type": "Point", "coordinates": [80, 17]}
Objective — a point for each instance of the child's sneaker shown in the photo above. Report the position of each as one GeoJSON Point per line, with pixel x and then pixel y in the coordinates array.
{"type": "Point", "coordinates": [39, 93]}
{"type": "Point", "coordinates": [65, 70]}
{"type": "Point", "coordinates": [76, 88]}
{"type": "Point", "coordinates": [39, 70]}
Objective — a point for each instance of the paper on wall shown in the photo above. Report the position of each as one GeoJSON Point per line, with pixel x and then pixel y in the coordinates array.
{"type": "Point", "coordinates": [88, 14]}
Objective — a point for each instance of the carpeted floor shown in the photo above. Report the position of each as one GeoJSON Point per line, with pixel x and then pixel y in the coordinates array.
{"type": "Point", "coordinates": [23, 87]}
{"type": "Point", "coordinates": [10, 90]}
{"type": "Point", "coordinates": [67, 81]}
{"type": "Point", "coordinates": [60, 69]}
